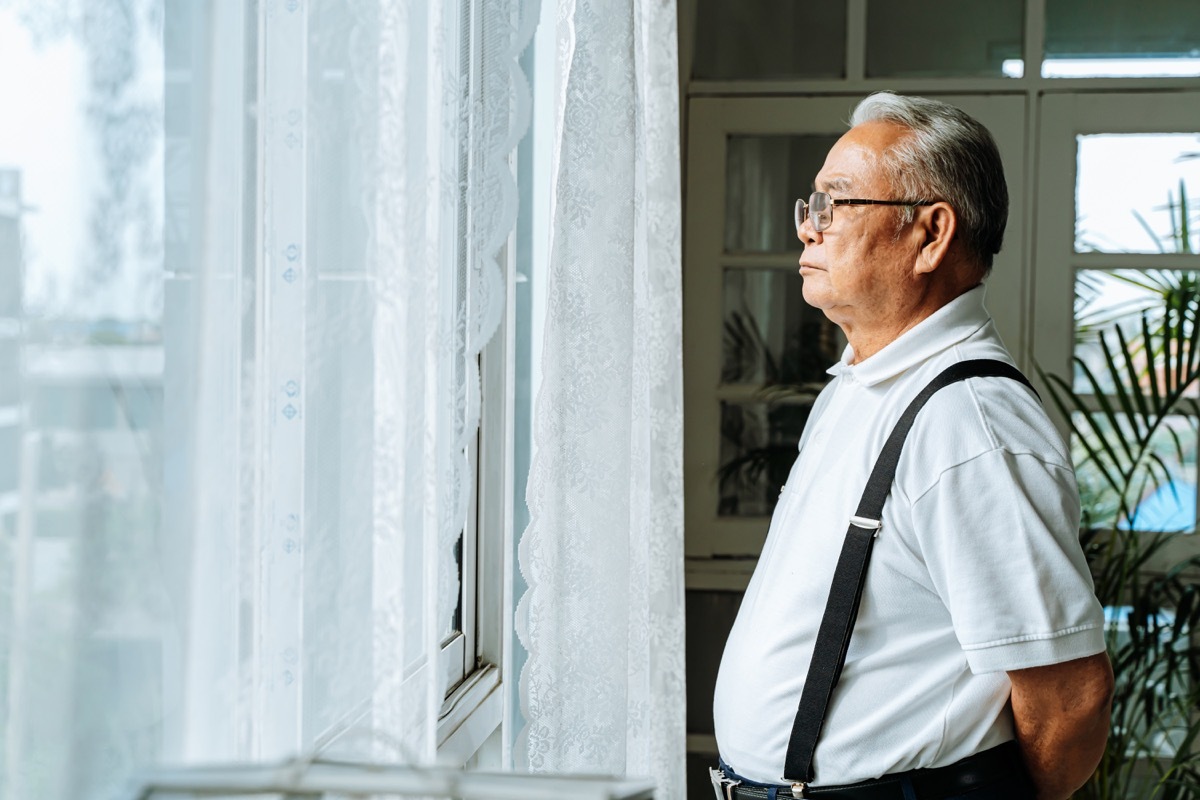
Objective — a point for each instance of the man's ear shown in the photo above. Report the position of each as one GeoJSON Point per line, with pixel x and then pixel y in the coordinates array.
{"type": "Point", "coordinates": [936, 225]}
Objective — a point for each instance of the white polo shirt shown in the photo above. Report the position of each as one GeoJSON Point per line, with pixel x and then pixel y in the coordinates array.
{"type": "Point", "coordinates": [977, 569]}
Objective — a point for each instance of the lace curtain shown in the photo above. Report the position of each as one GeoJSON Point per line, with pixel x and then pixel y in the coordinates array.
{"type": "Point", "coordinates": [602, 619]}
{"type": "Point", "coordinates": [247, 361]}
{"type": "Point", "coordinates": [247, 266]}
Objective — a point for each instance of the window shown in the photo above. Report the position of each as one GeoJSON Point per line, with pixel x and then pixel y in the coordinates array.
{"type": "Point", "coordinates": [1109, 38]}
{"type": "Point", "coordinates": [248, 497]}
{"type": "Point", "coordinates": [1120, 247]}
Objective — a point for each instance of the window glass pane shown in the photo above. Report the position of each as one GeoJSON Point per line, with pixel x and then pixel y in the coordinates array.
{"type": "Point", "coordinates": [1135, 192]}
{"type": "Point", "coordinates": [88, 599]}
{"type": "Point", "coordinates": [758, 446]}
{"type": "Point", "coordinates": [10, 445]}
{"type": "Point", "coordinates": [10, 369]}
{"type": "Point", "coordinates": [1142, 386]}
{"type": "Point", "coordinates": [1162, 501]}
{"type": "Point", "coordinates": [972, 38]}
{"type": "Point", "coordinates": [1105, 300]}
{"type": "Point", "coordinates": [771, 336]}
{"type": "Point", "coordinates": [10, 253]}
{"type": "Point", "coordinates": [1095, 38]}
{"type": "Point", "coordinates": [1155, 688]}
{"type": "Point", "coordinates": [764, 175]}
{"type": "Point", "coordinates": [337, 532]}
{"type": "Point", "coordinates": [763, 39]}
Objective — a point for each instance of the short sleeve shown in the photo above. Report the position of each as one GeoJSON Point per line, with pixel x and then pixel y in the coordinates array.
{"type": "Point", "coordinates": [1000, 537]}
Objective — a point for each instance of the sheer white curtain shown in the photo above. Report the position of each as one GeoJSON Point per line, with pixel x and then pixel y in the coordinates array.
{"type": "Point", "coordinates": [248, 378]}
{"type": "Point", "coordinates": [333, 341]}
{"type": "Point", "coordinates": [602, 619]}
{"type": "Point", "coordinates": [255, 246]}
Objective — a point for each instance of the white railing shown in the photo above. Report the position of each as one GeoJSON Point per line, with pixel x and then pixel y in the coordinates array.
{"type": "Point", "coordinates": [317, 779]}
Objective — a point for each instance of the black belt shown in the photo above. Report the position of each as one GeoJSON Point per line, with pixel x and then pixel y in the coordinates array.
{"type": "Point", "coordinates": [990, 766]}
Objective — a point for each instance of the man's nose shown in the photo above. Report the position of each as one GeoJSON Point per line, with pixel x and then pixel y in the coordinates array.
{"type": "Point", "coordinates": [806, 233]}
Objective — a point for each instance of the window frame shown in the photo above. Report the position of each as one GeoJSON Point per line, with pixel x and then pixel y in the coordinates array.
{"type": "Point", "coordinates": [476, 709]}
{"type": "Point", "coordinates": [1064, 116]}
{"type": "Point", "coordinates": [471, 722]}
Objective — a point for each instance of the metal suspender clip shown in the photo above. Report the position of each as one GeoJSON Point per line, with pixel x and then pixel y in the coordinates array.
{"type": "Point", "coordinates": [799, 790]}
{"type": "Point", "coordinates": [866, 524]}
{"type": "Point", "coordinates": [722, 786]}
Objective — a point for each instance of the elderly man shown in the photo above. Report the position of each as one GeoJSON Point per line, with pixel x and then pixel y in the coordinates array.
{"type": "Point", "coordinates": [976, 667]}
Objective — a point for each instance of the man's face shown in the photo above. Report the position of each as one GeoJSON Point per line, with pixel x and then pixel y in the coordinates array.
{"type": "Point", "coordinates": [858, 269]}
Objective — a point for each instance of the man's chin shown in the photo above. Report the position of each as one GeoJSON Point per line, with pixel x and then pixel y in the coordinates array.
{"type": "Point", "coordinates": [814, 293]}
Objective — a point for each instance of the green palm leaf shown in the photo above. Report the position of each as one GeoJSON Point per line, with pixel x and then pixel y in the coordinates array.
{"type": "Point", "coordinates": [1123, 410]}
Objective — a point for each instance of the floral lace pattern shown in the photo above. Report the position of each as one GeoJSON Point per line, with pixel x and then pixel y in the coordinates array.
{"type": "Point", "coordinates": [603, 688]}
{"type": "Point", "coordinates": [439, 297]}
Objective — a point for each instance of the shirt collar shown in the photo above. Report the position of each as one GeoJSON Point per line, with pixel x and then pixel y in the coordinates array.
{"type": "Point", "coordinates": [949, 325]}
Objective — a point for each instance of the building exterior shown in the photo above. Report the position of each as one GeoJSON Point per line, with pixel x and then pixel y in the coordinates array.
{"type": "Point", "coordinates": [11, 270]}
{"type": "Point", "coordinates": [80, 477]}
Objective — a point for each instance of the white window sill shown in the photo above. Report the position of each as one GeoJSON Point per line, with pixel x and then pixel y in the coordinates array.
{"type": "Point", "coordinates": [469, 716]}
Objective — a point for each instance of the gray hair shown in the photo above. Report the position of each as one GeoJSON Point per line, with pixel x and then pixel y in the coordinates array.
{"type": "Point", "coordinates": [948, 156]}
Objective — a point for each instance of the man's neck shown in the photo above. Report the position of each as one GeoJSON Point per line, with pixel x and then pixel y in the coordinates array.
{"type": "Point", "coordinates": [866, 341]}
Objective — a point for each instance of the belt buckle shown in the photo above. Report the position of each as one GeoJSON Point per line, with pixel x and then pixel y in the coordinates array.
{"type": "Point", "coordinates": [722, 785]}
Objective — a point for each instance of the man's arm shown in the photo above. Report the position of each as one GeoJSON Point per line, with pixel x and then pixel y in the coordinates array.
{"type": "Point", "coordinates": [1062, 716]}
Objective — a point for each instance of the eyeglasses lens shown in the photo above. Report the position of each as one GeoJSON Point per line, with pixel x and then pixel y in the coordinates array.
{"type": "Point", "coordinates": [821, 210]}
{"type": "Point", "coordinates": [819, 207]}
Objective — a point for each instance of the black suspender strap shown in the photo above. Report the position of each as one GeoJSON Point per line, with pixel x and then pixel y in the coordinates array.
{"type": "Point", "coordinates": [845, 593]}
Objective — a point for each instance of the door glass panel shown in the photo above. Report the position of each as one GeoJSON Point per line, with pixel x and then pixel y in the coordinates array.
{"type": "Point", "coordinates": [1155, 646]}
{"type": "Point", "coordinates": [1155, 376]}
{"type": "Point", "coordinates": [763, 39]}
{"type": "Point", "coordinates": [764, 175]}
{"type": "Point", "coordinates": [771, 337]}
{"type": "Point", "coordinates": [758, 446]}
{"type": "Point", "coordinates": [1136, 193]}
{"type": "Point", "coordinates": [1105, 300]}
{"type": "Point", "coordinates": [1163, 501]}
{"type": "Point", "coordinates": [1099, 38]}
{"type": "Point", "coordinates": [972, 38]}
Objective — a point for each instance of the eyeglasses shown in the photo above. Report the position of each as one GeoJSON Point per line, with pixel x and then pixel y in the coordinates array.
{"type": "Point", "coordinates": [820, 208]}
